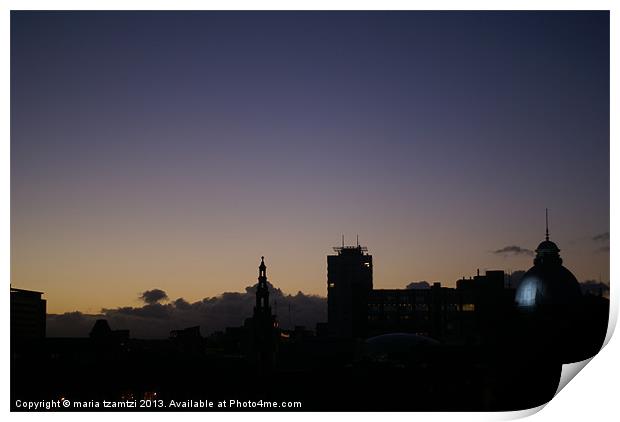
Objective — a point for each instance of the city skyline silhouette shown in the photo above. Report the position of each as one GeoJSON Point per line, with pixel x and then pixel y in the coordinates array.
{"type": "Point", "coordinates": [159, 313]}
{"type": "Point", "coordinates": [166, 149]}
{"type": "Point", "coordinates": [466, 346]}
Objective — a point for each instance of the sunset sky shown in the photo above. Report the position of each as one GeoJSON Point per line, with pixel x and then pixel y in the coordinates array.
{"type": "Point", "coordinates": [172, 150]}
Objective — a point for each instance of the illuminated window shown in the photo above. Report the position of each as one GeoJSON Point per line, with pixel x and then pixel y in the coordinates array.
{"type": "Point", "coordinates": [332, 284]}
{"type": "Point", "coordinates": [469, 307]}
{"type": "Point", "coordinates": [527, 292]}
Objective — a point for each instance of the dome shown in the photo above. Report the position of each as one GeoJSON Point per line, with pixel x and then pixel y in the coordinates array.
{"type": "Point", "coordinates": [548, 285]}
{"type": "Point", "coordinates": [547, 246]}
{"type": "Point", "coordinates": [548, 253]}
{"type": "Point", "coordinates": [547, 282]}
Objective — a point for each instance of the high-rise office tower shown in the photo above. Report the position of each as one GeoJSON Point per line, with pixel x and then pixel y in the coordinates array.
{"type": "Point", "coordinates": [28, 313]}
{"type": "Point", "coordinates": [349, 283]}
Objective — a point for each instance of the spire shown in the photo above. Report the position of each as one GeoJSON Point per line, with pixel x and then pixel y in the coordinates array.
{"type": "Point", "coordinates": [547, 252]}
{"type": "Point", "coordinates": [262, 268]}
{"type": "Point", "coordinates": [262, 290]}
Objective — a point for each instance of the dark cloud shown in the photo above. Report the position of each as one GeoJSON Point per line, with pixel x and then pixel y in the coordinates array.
{"type": "Point", "coordinates": [70, 324]}
{"type": "Point", "coordinates": [182, 304]}
{"type": "Point", "coordinates": [151, 310]}
{"type": "Point", "coordinates": [415, 285]}
{"type": "Point", "coordinates": [513, 250]}
{"type": "Point", "coordinates": [230, 309]}
{"type": "Point", "coordinates": [603, 237]}
{"type": "Point", "coordinates": [153, 296]}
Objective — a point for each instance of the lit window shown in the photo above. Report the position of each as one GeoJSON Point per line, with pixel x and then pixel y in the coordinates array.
{"type": "Point", "coordinates": [527, 292]}
{"type": "Point", "coordinates": [332, 284]}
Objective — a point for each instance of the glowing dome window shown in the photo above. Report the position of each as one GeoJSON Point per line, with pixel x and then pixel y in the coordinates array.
{"type": "Point", "coordinates": [528, 291]}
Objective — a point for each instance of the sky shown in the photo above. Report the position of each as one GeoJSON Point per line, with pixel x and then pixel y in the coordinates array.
{"type": "Point", "coordinates": [171, 150]}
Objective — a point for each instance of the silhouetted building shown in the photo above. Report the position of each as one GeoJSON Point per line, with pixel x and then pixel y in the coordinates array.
{"type": "Point", "coordinates": [485, 306]}
{"type": "Point", "coordinates": [28, 312]}
{"type": "Point", "coordinates": [484, 294]}
{"type": "Point", "coordinates": [262, 328]}
{"type": "Point", "coordinates": [349, 283]}
{"type": "Point", "coordinates": [553, 312]}
{"type": "Point", "coordinates": [442, 313]}
{"type": "Point", "coordinates": [548, 282]}
{"type": "Point", "coordinates": [355, 310]}
{"type": "Point", "coordinates": [593, 288]}
{"type": "Point", "coordinates": [491, 281]}
{"type": "Point", "coordinates": [188, 341]}
{"type": "Point", "coordinates": [429, 312]}
{"type": "Point", "coordinates": [186, 333]}
{"type": "Point", "coordinates": [322, 329]}
{"type": "Point", "coordinates": [101, 331]}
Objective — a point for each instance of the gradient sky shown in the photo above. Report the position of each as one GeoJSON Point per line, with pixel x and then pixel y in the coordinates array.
{"type": "Point", "coordinates": [172, 150]}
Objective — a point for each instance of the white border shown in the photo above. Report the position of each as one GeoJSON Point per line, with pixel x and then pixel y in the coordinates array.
{"type": "Point", "coordinates": [592, 395]}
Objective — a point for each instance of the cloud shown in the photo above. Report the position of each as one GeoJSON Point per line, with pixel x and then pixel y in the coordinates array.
{"type": "Point", "coordinates": [151, 310]}
{"type": "Point", "coordinates": [513, 250]}
{"type": "Point", "coordinates": [70, 324]}
{"type": "Point", "coordinates": [153, 296]}
{"type": "Point", "coordinates": [603, 237]}
{"type": "Point", "coordinates": [182, 304]}
{"type": "Point", "coordinates": [230, 309]}
{"type": "Point", "coordinates": [418, 285]}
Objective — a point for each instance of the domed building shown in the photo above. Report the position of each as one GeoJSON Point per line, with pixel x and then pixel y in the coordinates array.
{"type": "Point", "coordinates": [548, 282]}
{"type": "Point", "coordinates": [550, 302]}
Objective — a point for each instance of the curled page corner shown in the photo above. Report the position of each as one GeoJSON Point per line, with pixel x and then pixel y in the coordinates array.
{"type": "Point", "coordinates": [519, 414]}
{"type": "Point", "coordinates": [569, 370]}
{"type": "Point", "coordinates": [611, 324]}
